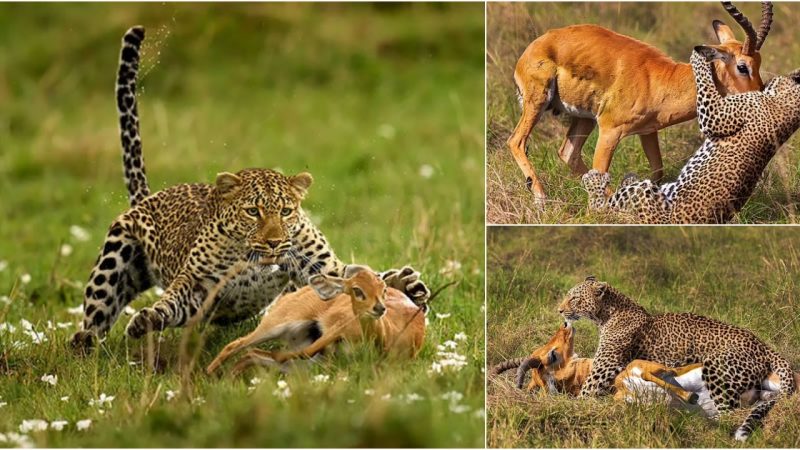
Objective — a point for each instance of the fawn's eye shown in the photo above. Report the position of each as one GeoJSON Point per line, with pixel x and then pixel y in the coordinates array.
{"type": "Point", "coordinates": [286, 211]}
{"type": "Point", "coordinates": [252, 212]}
{"type": "Point", "coordinates": [359, 293]}
{"type": "Point", "coordinates": [742, 68]}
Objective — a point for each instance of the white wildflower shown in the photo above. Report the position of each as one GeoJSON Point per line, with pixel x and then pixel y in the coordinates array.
{"type": "Point", "coordinates": [7, 328]}
{"type": "Point", "coordinates": [64, 325]}
{"type": "Point", "coordinates": [443, 315]}
{"type": "Point", "coordinates": [458, 409]}
{"type": "Point", "coordinates": [18, 440]}
{"type": "Point", "coordinates": [451, 267]}
{"type": "Point", "coordinates": [129, 311]}
{"type": "Point", "coordinates": [198, 401]}
{"type": "Point", "coordinates": [386, 397]}
{"type": "Point", "coordinates": [27, 326]}
{"type": "Point", "coordinates": [255, 381]}
{"type": "Point", "coordinates": [58, 425]}
{"type": "Point", "coordinates": [350, 401]}
{"type": "Point", "coordinates": [32, 425]}
{"type": "Point", "coordinates": [52, 379]}
{"type": "Point", "coordinates": [426, 171]}
{"type": "Point", "coordinates": [2, 404]}
{"type": "Point", "coordinates": [25, 278]}
{"type": "Point", "coordinates": [66, 250]}
{"type": "Point", "coordinates": [79, 233]}
{"type": "Point", "coordinates": [413, 397]}
{"type": "Point", "coordinates": [36, 337]}
{"type": "Point", "coordinates": [321, 378]}
{"type": "Point", "coordinates": [453, 396]}
{"type": "Point", "coordinates": [158, 291]}
{"type": "Point", "coordinates": [369, 392]}
{"type": "Point", "coordinates": [76, 311]}
{"type": "Point", "coordinates": [5, 299]}
{"type": "Point", "coordinates": [460, 336]}
{"type": "Point", "coordinates": [103, 400]}
{"type": "Point", "coordinates": [65, 398]}
{"type": "Point", "coordinates": [83, 424]}
{"type": "Point", "coordinates": [283, 391]}
{"type": "Point", "coordinates": [450, 344]}
{"type": "Point", "coordinates": [171, 394]}
{"type": "Point", "coordinates": [479, 413]}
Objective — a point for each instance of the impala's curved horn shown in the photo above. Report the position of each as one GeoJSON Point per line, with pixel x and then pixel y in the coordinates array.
{"type": "Point", "coordinates": [766, 23]}
{"type": "Point", "coordinates": [749, 46]}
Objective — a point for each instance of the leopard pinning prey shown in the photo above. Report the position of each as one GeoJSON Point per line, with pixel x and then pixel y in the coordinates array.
{"type": "Point", "coordinates": [185, 239]}
{"type": "Point", "coordinates": [742, 131]}
{"type": "Point", "coordinates": [733, 359]}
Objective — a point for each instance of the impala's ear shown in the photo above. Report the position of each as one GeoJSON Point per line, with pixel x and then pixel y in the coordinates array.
{"type": "Point", "coordinates": [301, 182]}
{"type": "Point", "coordinates": [710, 53]}
{"type": "Point", "coordinates": [228, 183]}
{"type": "Point", "coordinates": [352, 269]}
{"type": "Point", "coordinates": [325, 286]}
{"type": "Point", "coordinates": [723, 32]}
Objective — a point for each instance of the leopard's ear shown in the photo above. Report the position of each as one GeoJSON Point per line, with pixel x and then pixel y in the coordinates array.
{"type": "Point", "coordinates": [228, 183]}
{"type": "Point", "coordinates": [795, 75]}
{"type": "Point", "coordinates": [591, 278]}
{"type": "Point", "coordinates": [600, 287]}
{"type": "Point", "coordinates": [301, 182]}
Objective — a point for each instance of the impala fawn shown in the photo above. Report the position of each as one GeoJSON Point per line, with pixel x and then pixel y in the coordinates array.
{"type": "Point", "coordinates": [354, 308]}
{"type": "Point", "coordinates": [556, 368]}
{"type": "Point", "coordinates": [622, 85]}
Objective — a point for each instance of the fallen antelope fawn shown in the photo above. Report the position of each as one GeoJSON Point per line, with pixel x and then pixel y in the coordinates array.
{"type": "Point", "coordinates": [622, 85]}
{"type": "Point", "coordinates": [354, 308]}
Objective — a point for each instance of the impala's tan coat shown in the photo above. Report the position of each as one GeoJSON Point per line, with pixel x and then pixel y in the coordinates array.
{"type": "Point", "coordinates": [331, 309]}
{"type": "Point", "coordinates": [622, 85]}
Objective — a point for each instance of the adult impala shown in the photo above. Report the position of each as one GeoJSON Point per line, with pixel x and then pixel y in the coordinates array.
{"type": "Point", "coordinates": [624, 86]}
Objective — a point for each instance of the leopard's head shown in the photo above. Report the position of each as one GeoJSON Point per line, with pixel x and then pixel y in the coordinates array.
{"type": "Point", "coordinates": [584, 300]}
{"type": "Point", "coordinates": [261, 209]}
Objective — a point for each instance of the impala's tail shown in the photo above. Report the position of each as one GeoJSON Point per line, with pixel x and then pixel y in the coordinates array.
{"type": "Point", "coordinates": [133, 164]}
{"type": "Point", "coordinates": [788, 386]}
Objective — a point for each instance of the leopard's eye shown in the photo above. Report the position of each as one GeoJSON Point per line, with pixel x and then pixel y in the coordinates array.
{"type": "Point", "coordinates": [286, 211]}
{"type": "Point", "coordinates": [252, 212]}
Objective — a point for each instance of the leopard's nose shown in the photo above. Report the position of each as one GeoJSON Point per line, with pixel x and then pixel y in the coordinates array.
{"type": "Point", "coordinates": [274, 243]}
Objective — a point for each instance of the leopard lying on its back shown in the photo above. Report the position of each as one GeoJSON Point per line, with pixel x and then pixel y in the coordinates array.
{"type": "Point", "coordinates": [186, 238]}
{"type": "Point", "coordinates": [734, 360]}
{"type": "Point", "coordinates": [743, 132]}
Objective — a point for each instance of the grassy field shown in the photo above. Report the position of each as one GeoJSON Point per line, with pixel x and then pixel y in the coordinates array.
{"type": "Point", "coordinates": [672, 27]}
{"type": "Point", "coordinates": [383, 104]}
{"type": "Point", "coordinates": [747, 276]}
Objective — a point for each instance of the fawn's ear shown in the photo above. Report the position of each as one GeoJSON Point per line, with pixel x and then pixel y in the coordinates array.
{"type": "Point", "coordinates": [352, 269]}
{"type": "Point", "coordinates": [326, 287]}
{"type": "Point", "coordinates": [301, 182]}
{"type": "Point", "coordinates": [228, 183]}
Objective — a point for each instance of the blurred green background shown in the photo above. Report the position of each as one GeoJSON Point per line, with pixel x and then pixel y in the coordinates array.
{"type": "Point", "coordinates": [382, 103]}
{"type": "Point", "coordinates": [745, 276]}
{"type": "Point", "coordinates": [674, 28]}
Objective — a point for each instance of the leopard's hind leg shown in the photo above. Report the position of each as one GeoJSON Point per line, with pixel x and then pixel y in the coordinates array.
{"type": "Point", "coordinates": [119, 275]}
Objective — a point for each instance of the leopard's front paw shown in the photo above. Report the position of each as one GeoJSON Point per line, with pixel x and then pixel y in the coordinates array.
{"type": "Point", "coordinates": [596, 185]}
{"type": "Point", "coordinates": [407, 280]}
{"type": "Point", "coordinates": [143, 322]}
{"type": "Point", "coordinates": [82, 342]}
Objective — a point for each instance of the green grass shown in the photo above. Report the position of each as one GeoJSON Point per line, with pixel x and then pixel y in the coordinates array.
{"type": "Point", "coordinates": [672, 27]}
{"type": "Point", "coordinates": [367, 98]}
{"type": "Point", "coordinates": [746, 276]}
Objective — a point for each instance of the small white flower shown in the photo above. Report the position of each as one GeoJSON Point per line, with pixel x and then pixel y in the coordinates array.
{"type": "Point", "coordinates": [369, 392]}
{"type": "Point", "coordinates": [450, 267]}
{"type": "Point", "coordinates": [479, 413]}
{"type": "Point", "coordinates": [386, 397]}
{"type": "Point", "coordinates": [426, 171]}
{"type": "Point", "coordinates": [32, 425]}
{"type": "Point", "coordinates": [458, 409]}
{"type": "Point", "coordinates": [460, 336]}
{"type": "Point", "coordinates": [255, 381]}
{"type": "Point", "coordinates": [413, 397]}
{"type": "Point", "coordinates": [3, 265]}
{"type": "Point", "coordinates": [27, 326]}
{"type": "Point", "coordinates": [443, 315]}
{"type": "Point", "coordinates": [65, 398]}
{"type": "Point", "coordinates": [453, 396]}
{"type": "Point", "coordinates": [350, 401]}
{"type": "Point", "coordinates": [79, 233]}
{"type": "Point", "coordinates": [52, 379]}
{"type": "Point", "coordinates": [64, 325]}
{"type": "Point", "coordinates": [25, 278]}
{"type": "Point", "coordinates": [129, 310]}
{"type": "Point", "coordinates": [66, 250]}
{"type": "Point", "coordinates": [103, 400]}
{"type": "Point", "coordinates": [450, 344]}
{"type": "Point", "coordinates": [58, 425]}
{"type": "Point", "coordinates": [283, 391]}
{"type": "Point", "coordinates": [198, 401]}
{"type": "Point", "coordinates": [36, 337]}
{"type": "Point", "coordinates": [7, 328]}
{"type": "Point", "coordinates": [321, 378]}
{"type": "Point", "coordinates": [159, 291]}
{"type": "Point", "coordinates": [5, 299]}
{"type": "Point", "coordinates": [83, 424]}
{"type": "Point", "coordinates": [76, 311]}
{"type": "Point", "coordinates": [2, 404]}
{"type": "Point", "coordinates": [171, 394]}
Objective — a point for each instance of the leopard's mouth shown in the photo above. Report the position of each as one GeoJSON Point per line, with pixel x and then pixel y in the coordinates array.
{"type": "Point", "coordinates": [261, 257]}
{"type": "Point", "coordinates": [569, 317]}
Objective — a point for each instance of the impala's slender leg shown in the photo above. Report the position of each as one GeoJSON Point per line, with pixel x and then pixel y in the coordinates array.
{"type": "Point", "coordinates": [653, 153]}
{"type": "Point", "coordinates": [536, 89]}
{"type": "Point", "coordinates": [606, 144]}
{"type": "Point", "coordinates": [570, 151]}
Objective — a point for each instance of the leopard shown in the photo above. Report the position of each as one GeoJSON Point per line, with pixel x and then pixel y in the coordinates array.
{"type": "Point", "coordinates": [187, 237]}
{"type": "Point", "coordinates": [742, 134]}
{"type": "Point", "coordinates": [734, 360]}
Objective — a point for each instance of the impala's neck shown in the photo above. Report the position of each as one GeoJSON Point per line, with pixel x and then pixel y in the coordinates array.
{"type": "Point", "coordinates": [679, 102]}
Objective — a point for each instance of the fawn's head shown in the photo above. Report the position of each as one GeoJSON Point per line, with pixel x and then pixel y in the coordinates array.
{"type": "Point", "coordinates": [364, 287]}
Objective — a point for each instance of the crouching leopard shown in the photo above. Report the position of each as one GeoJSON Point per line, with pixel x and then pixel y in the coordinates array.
{"type": "Point", "coordinates": [734, 360]}
{"type": "Point", "coordinates": [186, 238]}
{"type": "Point", "coordinates": [743, 132]}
